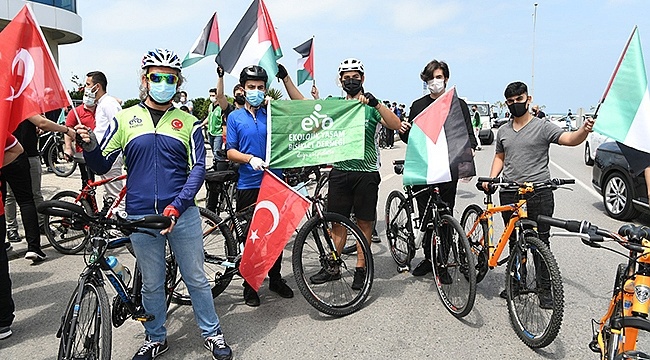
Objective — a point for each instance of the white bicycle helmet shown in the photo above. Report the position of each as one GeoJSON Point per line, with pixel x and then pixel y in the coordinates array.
{"type": "Point", "coordinates": [351, 64]}
{"type": "Point", "coordinates": [161, 57]}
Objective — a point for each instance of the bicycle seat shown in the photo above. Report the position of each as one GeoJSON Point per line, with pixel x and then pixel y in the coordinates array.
{"type": "Point", "coordinates": [220, 176]}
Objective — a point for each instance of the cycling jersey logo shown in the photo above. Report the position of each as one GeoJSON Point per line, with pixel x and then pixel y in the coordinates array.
{"type": "Point", "coordinates": [642, 293]}
{"type": "Point", "coordinates": [177, 124]}
{"type": "Point", "coordinates": [135, 122]}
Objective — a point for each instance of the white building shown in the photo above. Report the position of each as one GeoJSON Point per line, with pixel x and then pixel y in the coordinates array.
{"type": "Point", "coordinates": [58, 19]}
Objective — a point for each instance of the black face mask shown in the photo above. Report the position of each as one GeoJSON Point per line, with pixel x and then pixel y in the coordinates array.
{"type": "Point", "coordinates": [352, 86]}
{"type": "Point", "coordinates": [518, 109]}
{"type": "Point", "coordinates": [240, 99]}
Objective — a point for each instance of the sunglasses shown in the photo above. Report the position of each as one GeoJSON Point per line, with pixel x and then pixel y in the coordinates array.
{"type": "Point", "coordinates": [158, 77]}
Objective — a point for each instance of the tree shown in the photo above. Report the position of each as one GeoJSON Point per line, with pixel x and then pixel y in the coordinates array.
{"type": "Point", "coordinates": [77, 93]}
{"type": "Point", "coordinates": [275, 94]}
{"type": "Point", "coordinates": [201, 107]}
{"type": "Point", "coordinates": [129, 103]}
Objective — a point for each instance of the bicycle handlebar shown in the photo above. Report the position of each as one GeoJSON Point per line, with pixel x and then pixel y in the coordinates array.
{"type": "Point", "coordinates": [503, 182]}
{"type": "Point", "coordinates": [66, 209]}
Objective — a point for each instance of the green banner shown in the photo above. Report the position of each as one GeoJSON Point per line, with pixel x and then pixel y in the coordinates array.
{"type": "Point", "coordinates": [314, 132]}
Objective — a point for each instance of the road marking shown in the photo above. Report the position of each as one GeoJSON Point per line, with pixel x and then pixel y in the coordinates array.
{"type": "Point", "coordinates": [390, 176]}
{"type": "Point", "coordinates": [582, 184]}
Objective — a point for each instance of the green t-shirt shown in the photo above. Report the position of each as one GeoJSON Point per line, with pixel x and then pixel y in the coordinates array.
{"type": "Point", "coordinates": [214, 121]}
{"type": "Point", "coordinates": [370, 160]}
{"type": "Point", "coordinates": [476, 121]}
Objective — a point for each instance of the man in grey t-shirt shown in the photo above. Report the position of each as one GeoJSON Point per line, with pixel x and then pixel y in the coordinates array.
{"type": "Point", "coordinates": [522, 155]}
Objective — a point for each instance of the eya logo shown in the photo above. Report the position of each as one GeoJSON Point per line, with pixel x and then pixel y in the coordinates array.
{"type": "Point", "coordinates": [135, 122]}
{"type": "Point", "coordinates": [316, 120]}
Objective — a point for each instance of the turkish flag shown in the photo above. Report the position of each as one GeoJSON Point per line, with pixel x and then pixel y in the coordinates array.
{"type": "Point", "coordinates": [29, 80]}
{"type": "Point", "coordinates": [277, 214]}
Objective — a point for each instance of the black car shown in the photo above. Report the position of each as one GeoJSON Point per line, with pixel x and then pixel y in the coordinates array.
{"type": "Point", "coordinates": [624, 193]}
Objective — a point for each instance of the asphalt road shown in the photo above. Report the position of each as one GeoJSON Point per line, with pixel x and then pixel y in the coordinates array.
{"type": "Point", "coordinates": [402, 319]}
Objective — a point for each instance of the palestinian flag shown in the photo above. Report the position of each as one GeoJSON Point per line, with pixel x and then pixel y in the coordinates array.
{"type": "Point", "coordinates": [206, 44]}
{"type": "Point", "coordinates": [438, 147]}
{"type": "Point", "coordinates": [253, 42]}
{"type": "Point", "coordinates": [306, 63]}
{"type": "Point", "coordinates": [624, 112]}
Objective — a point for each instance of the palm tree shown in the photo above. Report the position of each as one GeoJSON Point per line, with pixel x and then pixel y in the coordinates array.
{"type": "Point", "coordinates": [275, 94]}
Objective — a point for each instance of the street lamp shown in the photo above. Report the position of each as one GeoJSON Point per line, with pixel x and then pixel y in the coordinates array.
{"type": "Point", "coordinates": [532, 81]}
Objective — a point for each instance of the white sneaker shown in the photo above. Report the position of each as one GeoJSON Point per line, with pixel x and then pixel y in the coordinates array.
{"type": "Point", "coordinates": [35, 256]}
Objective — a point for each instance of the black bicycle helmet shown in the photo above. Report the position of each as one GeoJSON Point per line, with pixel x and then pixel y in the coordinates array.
{"type": "Point", "coordinates": [253, 72]}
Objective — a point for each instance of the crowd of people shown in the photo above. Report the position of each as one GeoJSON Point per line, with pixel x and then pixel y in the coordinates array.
{"type": "Point", "coordinates": [162, 131]}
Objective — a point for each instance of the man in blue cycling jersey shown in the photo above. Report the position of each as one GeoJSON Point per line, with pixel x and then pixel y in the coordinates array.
{"type": "Point", "coordinates": [165, 159]}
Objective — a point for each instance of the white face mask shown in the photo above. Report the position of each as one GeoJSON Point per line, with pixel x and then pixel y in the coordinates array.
{"type": "Point", "coordinates": [183, 98]}
{"type": "Point", "coordinates": [436, 86]}
{"type": "Point", "coordinates": [213, 99]}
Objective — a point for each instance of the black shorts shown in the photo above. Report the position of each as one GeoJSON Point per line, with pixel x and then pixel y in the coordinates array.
{"type": "Point", "coordinates": [356, 190]}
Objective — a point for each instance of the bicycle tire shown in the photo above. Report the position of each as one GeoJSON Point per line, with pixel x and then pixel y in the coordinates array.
{"type": "Point", "coordinates": [58, 160]}
{"type": "Point", "coordinates": [335, 297]}
{"type": "Point", "coordinates": [219, 246]}
{"type": "Point", "coordinates": [64, 236]}
{"type": "Point", "coordinates": [92, 334]}
{"type": "Point", "coordinates": [476, 239]}
{"type": "Point", "coordinates": [172, 278]}
{"type": "Point", "coordinates": [452, 254]}
{"type": "Point", "coordinates": [536, 327]}
{"type": "Point", "coordinates": [399, 229]}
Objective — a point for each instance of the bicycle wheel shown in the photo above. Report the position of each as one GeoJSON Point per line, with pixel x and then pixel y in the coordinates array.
{"type": "Point", "coordinates": [535, 295]}
{"type": "Point", "coordinates": [90, 336]}
{"type": "Point", "coordinates": [220, 251]}
{"type": "Point", "coordinates": [64, 235]}
{"type": "Point", "coordinates": [336, 295]}
{"type": "Point", "coordinates": [453, 269]}
{"type": "Point", "coordinates": [60, 163]}
{"type": "Point", "coordinates": [477, 238]}
{"type": "Point", "coordinates": [172, 278]}
{"type": "Point", "coordinates": [398, 229]}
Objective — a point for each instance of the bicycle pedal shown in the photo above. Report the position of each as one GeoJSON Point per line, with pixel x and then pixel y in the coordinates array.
{"type": "Point", "coordinates": [143, 317]}
{"type": "Point", "coordinates": [593, 345]}
{"type": "Point", "coordinates": [405, 268]}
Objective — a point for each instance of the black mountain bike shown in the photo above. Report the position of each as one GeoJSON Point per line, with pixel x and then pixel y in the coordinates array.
{"type": "Point", "coordinates": [85, 330]}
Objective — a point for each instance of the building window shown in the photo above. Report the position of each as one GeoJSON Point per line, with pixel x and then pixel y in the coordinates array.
{"type": "Point", "coordinates": [70, 5]}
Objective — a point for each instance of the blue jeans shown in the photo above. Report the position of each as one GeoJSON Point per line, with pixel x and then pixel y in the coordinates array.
{"type": "Point", "coordinates": [186, 241]}
{"type": "Point", "coordinates": [216, 141]}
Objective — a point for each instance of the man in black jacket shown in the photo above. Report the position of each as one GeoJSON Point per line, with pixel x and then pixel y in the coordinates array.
{"type": "Point", "coordinates": [436, 75]}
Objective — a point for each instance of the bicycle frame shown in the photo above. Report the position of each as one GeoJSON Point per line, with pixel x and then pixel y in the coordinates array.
{"type": "Point", "coordinates": [88, 192]}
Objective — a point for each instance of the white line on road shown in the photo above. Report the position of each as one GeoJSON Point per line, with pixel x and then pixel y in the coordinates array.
{"type": "Point", "coordinates": [582, 184]}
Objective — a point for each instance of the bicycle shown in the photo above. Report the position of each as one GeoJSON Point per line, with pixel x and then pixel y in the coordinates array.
{"type": "Point", "coordinates": [222, 174]}
{"type": "Point", "coordinates": [85, 331]}
{"type": "Point", "coordinates": [69, 238]}
{"type": "Point", "coordinates": [53, 155]}
{"type": "Point", "coordinates": [616, 333]}
{"type": "Point", "coordinates": [453, 266]}
{"type": "Point", "coordinates": [534, 290]}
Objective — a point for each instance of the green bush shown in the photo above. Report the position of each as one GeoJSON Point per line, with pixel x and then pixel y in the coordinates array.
{"type": "Point", "coordinates": [129, 103]}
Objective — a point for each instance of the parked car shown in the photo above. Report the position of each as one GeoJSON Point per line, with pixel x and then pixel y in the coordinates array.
{"type": "Point", "coordinates": [593, 142]}
{"type": "Point", "coordinates": [624, 193]}
{"type": "Point", "coordinates": [497, 123]}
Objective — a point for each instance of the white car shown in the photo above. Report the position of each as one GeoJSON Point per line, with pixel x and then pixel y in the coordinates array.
{"type": "Point", "coordinates": [594, 140]}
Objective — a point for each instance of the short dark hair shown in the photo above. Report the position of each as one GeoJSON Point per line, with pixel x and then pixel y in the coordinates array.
{"type": "Point", "coordinates": [214, 90]}
{"type": "Point", "coordinates": [237, 87]}
{"type": "Point", "coordinates": [433, 65]}
{"type": "Point", "coordinates": [98, 77]}
{"type": "Point", "coordinates": [515, 89]}
{"type": "Point", "coordinates": [183, 92]}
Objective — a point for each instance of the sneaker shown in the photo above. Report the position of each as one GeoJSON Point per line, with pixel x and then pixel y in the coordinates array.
{"type": "Point", "coordinates": [35, 255]}
{"type": "Point", "coordinates": [13, 236]}
{"type": "Point", "coordinates": [324, 276]}
{"type": "Point", "coordinates": [545, 301]}
{"type": "Point", "coordinates": [218, 347]}
{"type": "Point", "coordinates": [5, 332]}
{"type": "Point", "coordinates": [375, 236]}
{"type": "Point", "coordinates": [423, 268]}
{"type": "Point", "coordinates": [445, 278]}
{"type": "Point", "coordinates": [250, 297]}
{"type": "Point", "coordinates": [150, 349]}
{"type": "Point", "coordinates": [359, 278]}
{"type": "Point", "coordinates": [281, 288]}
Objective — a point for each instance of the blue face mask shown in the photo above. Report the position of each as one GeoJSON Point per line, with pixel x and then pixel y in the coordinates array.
{"type": "Point", "coordinates": [254, 97]}
{"type": "Point", "coordinates": [161, 92]}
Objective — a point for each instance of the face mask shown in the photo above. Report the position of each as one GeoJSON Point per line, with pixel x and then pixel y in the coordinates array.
{"type": "Point", "coordinates": [89, 97]}
{"type": "Point", "coordinates": [213, 99]}
{"type": "Point", "coordinates": [240, 99]}
{"type": "Point", "coordinates": [162, 92]}
{"type": "Point", "coordinates": [352, 86]}
{"type": "Point", "coordinates": [254, 97]}
{"type": "Point", "coordinates": [518, 109]}
{"type": "Point", "coordinates": [183, 98]}
{"type": "Point", "coordinates": [436, 86]}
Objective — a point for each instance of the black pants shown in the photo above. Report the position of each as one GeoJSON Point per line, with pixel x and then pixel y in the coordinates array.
{"type": "Point", "coordinates": [390, 137]}
{"type": "Point", "coordinates": [18, 177]}
{"type": "Point", "coordinates": [448, 195]}
{"type": "Point", "coordinates": [6, 301]}
{"type": "Point", "coordinates": [538, 203]}
{"type": "Point", "coordinates": [246, 198]}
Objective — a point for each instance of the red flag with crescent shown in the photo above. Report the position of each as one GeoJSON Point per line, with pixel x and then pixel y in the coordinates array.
{"type": "Point", "coordinates": [277, 214]}
{"type": "Point", "coordinates": [29, 80]}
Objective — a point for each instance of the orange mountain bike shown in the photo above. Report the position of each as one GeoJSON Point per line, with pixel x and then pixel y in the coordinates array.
{"type": "Point", "coordinates": [616, 334]}
{"type": "Point", "coordinates": [534, 288]}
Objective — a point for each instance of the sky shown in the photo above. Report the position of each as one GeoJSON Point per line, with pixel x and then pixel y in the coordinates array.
{"type": "Point", "coordinates": [487, 44]}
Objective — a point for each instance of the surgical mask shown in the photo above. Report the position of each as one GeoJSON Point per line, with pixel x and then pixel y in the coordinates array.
{"type": "Point", "coordinates": [213, 99]}
{"type": "Point", "coordinates": [254, 97]}
{"type": "Point", "coordinates": [518, 109]}
{"type": "Point", "coordinates": [436, 86]}
{"type": "Point", "coordinates": [240, 99]}
{"type": "Point", "coordinates": [162, 92]}
{"type": "Point", "coordinates": [352, 86]}
{"type": "Point", "coordinates": [183, 98]}
{"type": "Point", "coordinates": [89, 98]}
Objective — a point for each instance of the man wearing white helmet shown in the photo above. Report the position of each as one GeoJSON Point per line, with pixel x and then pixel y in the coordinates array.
{"type": "Point", "coordinates": [165, 158]}
{"type": "Point", "coordinates": [354, 184]}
